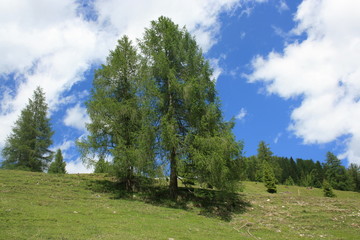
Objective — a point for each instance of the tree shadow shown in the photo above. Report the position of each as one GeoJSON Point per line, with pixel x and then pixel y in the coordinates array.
{"type": "Point", "coordinates": [209, 202]}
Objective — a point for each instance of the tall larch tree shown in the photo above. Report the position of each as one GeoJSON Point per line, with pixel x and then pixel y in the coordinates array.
{"type": "Point", "coordinates": [119, 128]}
{"type": "Point", "coordinates": [193, 137]}
{"type": "Point", "coordinates": [27, 147]}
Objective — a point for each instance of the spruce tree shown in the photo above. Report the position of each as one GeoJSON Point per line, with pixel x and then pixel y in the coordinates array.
{"type": "Point", "coordinates": [27, 147]}
{"type": "Point", "coordinates": [58, 166]}
{"type": "Point", "coordinates": [328, 192]}
{"type": "Point", "coordinates": [193, 137]}
{"type": "Point", "coordinates": [269, 178]}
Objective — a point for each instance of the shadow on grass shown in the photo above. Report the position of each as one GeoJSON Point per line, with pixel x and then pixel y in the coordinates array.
{"type": "Point", "coordinates": [210, 203]}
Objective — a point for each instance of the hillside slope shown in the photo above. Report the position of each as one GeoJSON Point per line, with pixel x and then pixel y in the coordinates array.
{"type": "Point", "coordinates": [43, 206]}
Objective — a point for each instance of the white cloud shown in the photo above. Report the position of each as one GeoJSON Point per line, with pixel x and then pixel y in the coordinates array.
{"type": "Point", "coordinates": [323, 70]}
{"type": "Point", "coordinates": [76, 117]}
{"type": "Point", "coordinates": [45, 43]}
{"type": "Point", "coordinates": [215, 65]}
{"type": "Point", "coordinates": [200, 17]}
{"type": "Point", "coordinates": [78, 166]}
{"type": "Point", "coordinates": [52, 43]}
{"type": "Point", "coordinates": [242, 114]}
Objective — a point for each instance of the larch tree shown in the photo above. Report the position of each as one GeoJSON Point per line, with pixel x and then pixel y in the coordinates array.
{"type": "Point", "coordinates": [58, 165]}
{"type": "Point", "coordinates": [336, 174]}
{"type": "Point", "coordinates": [27, 147]}
{"type": "Point", "coordinates": [117, 108]}
{"type": "Point", "coordinates": [192, 135]}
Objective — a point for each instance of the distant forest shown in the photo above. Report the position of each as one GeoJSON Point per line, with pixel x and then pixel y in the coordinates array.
{"type": "Point", "coordinates": [301, 172]}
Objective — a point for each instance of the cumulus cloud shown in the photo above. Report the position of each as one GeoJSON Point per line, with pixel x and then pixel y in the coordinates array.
{"type": "Point", "coordinates": [47, 44]}
{"type": "Point", "coordinates": [52, 43]}
{"type": "Point", "coordinates": [77, 166]}
{"type": "Point", "coordinates": [323, 71]}
{"type": "Point", "coordinates": [200, 17]}
{"type": "Point", "coordinates": [76, 117]}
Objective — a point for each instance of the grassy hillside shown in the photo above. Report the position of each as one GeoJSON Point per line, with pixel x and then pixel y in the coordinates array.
{"type": "Point", "coordinates": [42, 206]}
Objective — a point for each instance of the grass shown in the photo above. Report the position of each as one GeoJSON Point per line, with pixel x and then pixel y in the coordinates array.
{"type": "Point", "coordinates": [42, 206]}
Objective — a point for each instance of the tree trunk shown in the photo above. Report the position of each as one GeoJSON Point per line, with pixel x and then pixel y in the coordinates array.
{"type": "Point", "coordinates": [173, 174]}
{"type": "Point", "coordinates": [129, 184]}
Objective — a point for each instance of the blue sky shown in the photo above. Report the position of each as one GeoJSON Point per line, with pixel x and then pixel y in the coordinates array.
{"type": "Point", "coordinates": [287, 70]}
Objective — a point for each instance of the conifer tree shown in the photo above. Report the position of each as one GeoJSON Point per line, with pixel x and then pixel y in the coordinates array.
{"type": "Point", "coordinates": [289, 181]}
{"type": "Point", "coordinates": [58, 166]}
{"type": "Point", "coordinates": [328, 192]}
{"type": "Point", "coordinates": [354, 173]}
{"type": "Point", "coordinates": [118, 111]}
{"type": "Point", "coordinates": [269, 178]}
{"type": "Point", "coordinates": [27, 147]}
{"type": "Point", "coordinates": [264, 152]}
{"type": "Point", "coordinates": [336, 174]}
{"type": "Point", "coordinates": [193, 137]}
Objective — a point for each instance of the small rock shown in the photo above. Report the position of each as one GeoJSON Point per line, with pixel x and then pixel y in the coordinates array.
{"type": "Point", "coordinates": [75, 212]}
{"type": "Point", "coordinates": [268, 200]}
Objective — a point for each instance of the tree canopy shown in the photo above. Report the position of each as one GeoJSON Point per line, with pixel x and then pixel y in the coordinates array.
{"type": "Point", "coordinates": [159, 106]}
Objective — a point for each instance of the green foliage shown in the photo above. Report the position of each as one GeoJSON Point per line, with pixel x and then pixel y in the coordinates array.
{"type": "Point", "coordinates": [354, 174]}
{"type": "Point", "coordinates": [327, 189]}
{"type": "Point", "coordinates": [119, 113]}
{"type": "Point", "coordinates": [336, 174]}
{"type": "Point", "coordinates": [27, 147]}
{"type": "Point", "coordinates": [58, 166]}
{"type": "Point", "coordinates": [193, 137]}
{"type": "Point", "coordinates": [161, 104]}
{"type": "Point", "coordinates": [102, 166]}
{"type": "Point", "coordinates": [289, 181]}
{"type": "Point", "coordinates": [263, 152]}
{"type": "Point", "coordinates": [269, 178]}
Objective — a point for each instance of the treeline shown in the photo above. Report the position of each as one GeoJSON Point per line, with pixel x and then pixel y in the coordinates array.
{"type": "Point", "coordinates": [301, 172]}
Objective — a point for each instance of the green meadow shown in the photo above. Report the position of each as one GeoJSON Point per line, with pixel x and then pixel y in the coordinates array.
{"type": "Point", "coordinates": [91, 206]}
